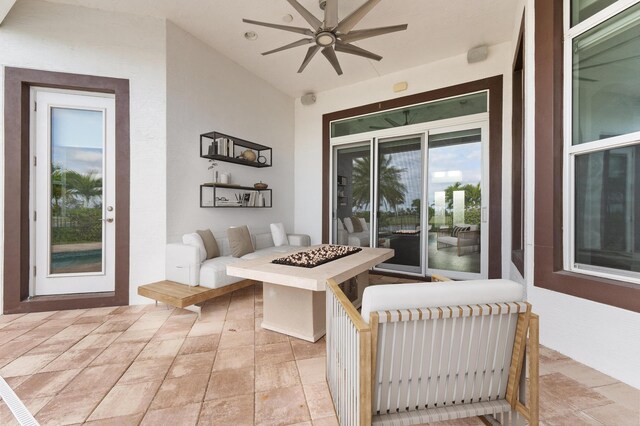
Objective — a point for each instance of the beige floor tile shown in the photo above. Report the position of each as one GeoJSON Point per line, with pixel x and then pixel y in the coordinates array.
{"type": "Point", "coordinates": [197, 344]}
{"type": "Point", "coordinates": [273, 354]}
{"type": "Point", "coordinates": [95, 340]}
{"type": "Point", "coordinates": [150, 370]}
{"type": "Point", "coordinates": [95, 312]}
{"type": "Point", "coordinates": [281, 406]}
{"type": "Point", "coordinates": [614, 415]}
{"type": "Point", "coordinates": [45, 384]}
{"type": "Point", "coordinates": [583, 374]}
{"type": "Point", "coordinates": [622, 394]}
{"type": "Point", "coordinates": [186, 365]}
{"type": "Point", "coordinates": [99, 379]}
{"type": "Point", "coordinates": [186, 415]}
{"type": "Point", "coordinates": [312, 370]}
{"type": "Point", "coordinates": [241, 314]}
{"type": "Point", "coordinates": [239, 325]}
{"type": "Point", "coordinates": [326, 421]}
{"type": "Point", "coordinates": [119, 353]}
{"type": "Point", "coordinates": [570, 419]}
{"type": "Point", "coordinates": [53, 346]}
{"type": "Point", "coordinates": [113, 326]}
{"type": "Point", "coordinates": [33, 405]}
{"type": "Point", "coordinates": [126, 400]}
{"type": "Point", "coordinates": [560, 395]}
{"type": "Point", "coordinates": [236, 410]}
{"type": "Point", "coordinates": [304, 350]}
{"type": "Point", "coordinates": [206, 328]}
{"type": "Point", "coordinates": [143, 335]}
{"type": "Point", "coordinates": [132, 420]}
{"type": "Point", "coordinates": [160, 349]}
{"type": "Point", "coordinates": [14, 348]}
{"type": "Point", "coordinates": [73, 358]}
{"type": "Point", "coordinates": [268, 337]}
{"type": "Point", "coordinates": [272, 376]}
{"type": "Point", "coordinates": [234, 339]}
{"type": "Point", "coordinates": [26, 364]}
{"type": "Point", "coordinates": [178, 330]}
{"type": "Point", "coordinates": [75, 331]}
{"type": "Point", "coordinates": [234, 358]}
{"type": "Point", "coordinates": [233, 382]}
{"type": "Point", "coordinates": [181, 391]}
{"type": "Point", "coordinates": [4, 319]}
{"type": "Point", "coordinates": [319, 400]}
{"type": "Point", "coordinates": [68, 409]}
{"type": "Point", "coordinates": [16, 381]}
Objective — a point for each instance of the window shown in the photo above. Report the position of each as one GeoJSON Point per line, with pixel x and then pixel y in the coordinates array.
{"type": "Point", "coordinates": [602, 140]}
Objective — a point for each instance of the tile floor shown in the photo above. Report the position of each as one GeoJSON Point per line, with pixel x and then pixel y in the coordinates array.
{"type": "Point", "coordinates": [156, 366]}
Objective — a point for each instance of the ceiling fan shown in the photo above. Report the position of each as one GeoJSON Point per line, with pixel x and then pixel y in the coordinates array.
{"type": "Point", "coordinates": [407, 120]}
{"type": "Point", "coordinates": [331, 35]}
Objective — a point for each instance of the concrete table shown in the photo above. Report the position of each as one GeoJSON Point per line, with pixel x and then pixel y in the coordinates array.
{"type": "Point", "coordinates": [294, 297]}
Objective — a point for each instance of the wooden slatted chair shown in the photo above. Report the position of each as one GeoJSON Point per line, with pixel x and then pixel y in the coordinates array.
{"type": "Point", "coordinates": [432, 352]}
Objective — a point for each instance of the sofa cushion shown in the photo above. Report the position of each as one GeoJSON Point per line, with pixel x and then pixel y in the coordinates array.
{"type": "Point", "coordinates": [355, 222]}
{"type": "Point", "coordinates": [195, 240]}
{"type": "Point", "coordinates": [432, 295]}
{"type": "Point", "coordinates": [340, 225]}
{"type": "Point", "coordinates": [269, 251]}
{"type": "Point", "coordinates": [239, 241]}
{"type": "Point", "coordinates": [348, 225]}
{"type": "Point", "coordinates": [364, 224]}
{"type": "Point", "coordinates": [213, 272]}
{"type": "Point", "coordinates": [210, 244]}
{"type": "Point", "coordinates": [359, 239]}
{"type": "Point", "coordinates": [278, 235]}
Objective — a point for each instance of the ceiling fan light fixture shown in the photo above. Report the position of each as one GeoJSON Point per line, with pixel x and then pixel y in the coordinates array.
{"type": "Point", "coordinates": [325, 39]}
{"type": "Point", "coordinates": [251, 35]}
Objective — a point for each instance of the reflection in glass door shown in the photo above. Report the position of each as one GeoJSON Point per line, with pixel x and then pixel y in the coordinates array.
{"type": "Point", "coordinates": [352, 195]}
{"type": "Point", "coordinates": [454, 196]}
{"type": "Point", "coordinates": [398, 198]}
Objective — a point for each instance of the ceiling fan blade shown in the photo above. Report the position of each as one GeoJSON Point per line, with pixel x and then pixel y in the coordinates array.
{"type": "Point", "coordinates": [290, 46]}
{"type": "Point", "coordinates": [308, 16]}
{"type": "Point", "coordinates": [298, 30]}
{"type": "Point", "coordinates": [355, 50]}
{"type": "Point", "coordinates": [362, 34]}
{"type": "Point", "coordinates": [308, 57]}
{"type": "Point", "coordinates": [330, 54]}
{"type": "Point", "coordinates": [352, 20]}
{"type": "Point", "coordinates": [331, 14]}
{"type": "Point", "coordinates": [392, 122]}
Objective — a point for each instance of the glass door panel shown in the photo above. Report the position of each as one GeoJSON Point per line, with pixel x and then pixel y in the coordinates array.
{"type": "Point", "coordinates": [398, 196]}
{"type": "Point", "coordinates": [352, 195]}
{"type": "Point", "coordinates": [454, 197]}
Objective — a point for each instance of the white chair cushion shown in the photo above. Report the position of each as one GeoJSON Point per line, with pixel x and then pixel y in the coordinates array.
{"type": "Point", "coordinates": [213, 272]}
{"type": "Point", "coordinates": [195, 240]}
{"type": "Point", "coordinates": [348, 224]}
{"type": "Point", "coordinates": [365, 225]}
{"type": "Point", "coordinates": [340, 225]}
{"type": "Point", "coordinates": [432, 295]}
{"type": "Point", "coordinates": [278, 235]}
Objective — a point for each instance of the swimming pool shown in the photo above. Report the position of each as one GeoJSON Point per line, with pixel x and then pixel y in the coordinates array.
{"type": "Point", "coordinates": [76, 261]}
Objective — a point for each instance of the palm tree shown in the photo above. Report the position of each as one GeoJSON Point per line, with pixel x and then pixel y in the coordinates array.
{"type": "Point", "coordinates": [472, 200]}
{"type": "Point", "coordinates": [86, 186]}
{"type": "Point", "coordinates": [391, 190]}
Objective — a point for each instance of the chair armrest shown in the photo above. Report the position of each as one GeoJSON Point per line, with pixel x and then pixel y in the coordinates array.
{"type": "Point", "coordinates": [182, 264]}
{"type": "Point", "coordinates": [469, 235]}
{"type": "Point", "coordinates": [299, 240]}
{"type": "Point", "coordinates": [444, 232]}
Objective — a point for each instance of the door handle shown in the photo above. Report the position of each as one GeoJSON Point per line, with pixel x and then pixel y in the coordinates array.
{"type": "Point", "coordinates": [108, 220]}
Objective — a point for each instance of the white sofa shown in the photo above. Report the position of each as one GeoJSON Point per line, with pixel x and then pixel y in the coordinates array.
{"type": "Point", "coordinates": [347, 236]}
{"type": "Point", "coordinates": [467, 236]}
{"type": "Point", "coordinates": [183, 261]}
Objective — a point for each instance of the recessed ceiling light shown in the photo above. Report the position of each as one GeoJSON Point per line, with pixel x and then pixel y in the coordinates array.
{"type": "Point", "coordinates": [287, 18]}
{"type": "Point", "coordinates": [251, 35]}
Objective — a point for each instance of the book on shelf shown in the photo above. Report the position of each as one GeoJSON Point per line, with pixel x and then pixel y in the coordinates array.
{"type": "Point", "coordinates": [224, 147]}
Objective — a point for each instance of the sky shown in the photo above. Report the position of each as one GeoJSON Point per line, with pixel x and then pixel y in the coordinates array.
{"type": "Point", "coordinates": [76, 138]}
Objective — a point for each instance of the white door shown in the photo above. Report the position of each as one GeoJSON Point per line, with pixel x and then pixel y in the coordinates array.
{"type": "Point", "coordinates": [73, 193]}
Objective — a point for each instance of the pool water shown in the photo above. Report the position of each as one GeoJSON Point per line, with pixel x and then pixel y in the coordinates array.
{"type": "Point", "coordinates": [76, 261]}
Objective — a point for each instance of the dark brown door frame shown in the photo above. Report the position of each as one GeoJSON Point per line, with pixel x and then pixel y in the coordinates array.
{"type": "Point", "coordinates": [494, 86]}
{"type": "Point", "coordinates": [17, 83]}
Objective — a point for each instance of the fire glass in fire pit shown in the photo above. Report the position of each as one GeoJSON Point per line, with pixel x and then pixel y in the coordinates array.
{"type": "Point", "coordinates": [316, 257]}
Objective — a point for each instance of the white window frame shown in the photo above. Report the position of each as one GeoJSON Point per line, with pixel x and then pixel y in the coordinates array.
{"type": "Point", "coordinates": [571, 151]}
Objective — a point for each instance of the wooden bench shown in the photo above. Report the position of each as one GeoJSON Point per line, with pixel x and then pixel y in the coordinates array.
{"type": "Point", "coordinates": [187, 297]}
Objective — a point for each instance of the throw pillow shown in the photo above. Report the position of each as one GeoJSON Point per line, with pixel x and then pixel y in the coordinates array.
{"type": "Point", "coordinates": [365, 225]}
{"type": "Point", "coordinates": [340, 225]}
{"type": "Point", "coordinates": [210, 243]}
{"type": "Point", "coordinates": [239, 241]}
{"type": "Point", "coordinates": [195, 240]}
{"type": "Point", "coordinates": [455, 231]}
{"type": "Point", "coordinates": [357, 226]}
{"type": "Point", "coordinates": [348, 224]}
{"type": "Point", "coordinates": [278, 235]}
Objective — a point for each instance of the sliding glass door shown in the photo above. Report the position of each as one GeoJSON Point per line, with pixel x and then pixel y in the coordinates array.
{"type": "Point", "coordinates": [398, 197]}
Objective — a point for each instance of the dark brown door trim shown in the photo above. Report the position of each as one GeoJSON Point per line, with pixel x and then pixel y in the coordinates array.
{"type": "Point", "coordinates": [17, 84]}
{"type": "Point", "coordinates": [494, 86]}
{"type": "Point", "coordinates": [548, 269]}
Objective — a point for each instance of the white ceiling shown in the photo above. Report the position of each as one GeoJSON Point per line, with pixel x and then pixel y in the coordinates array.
{"type": "Point", "coordinates": [437, 29]}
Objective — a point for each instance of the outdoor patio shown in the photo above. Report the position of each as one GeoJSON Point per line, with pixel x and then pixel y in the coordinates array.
{"type": "Point", "coordinates": [151, 365]}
